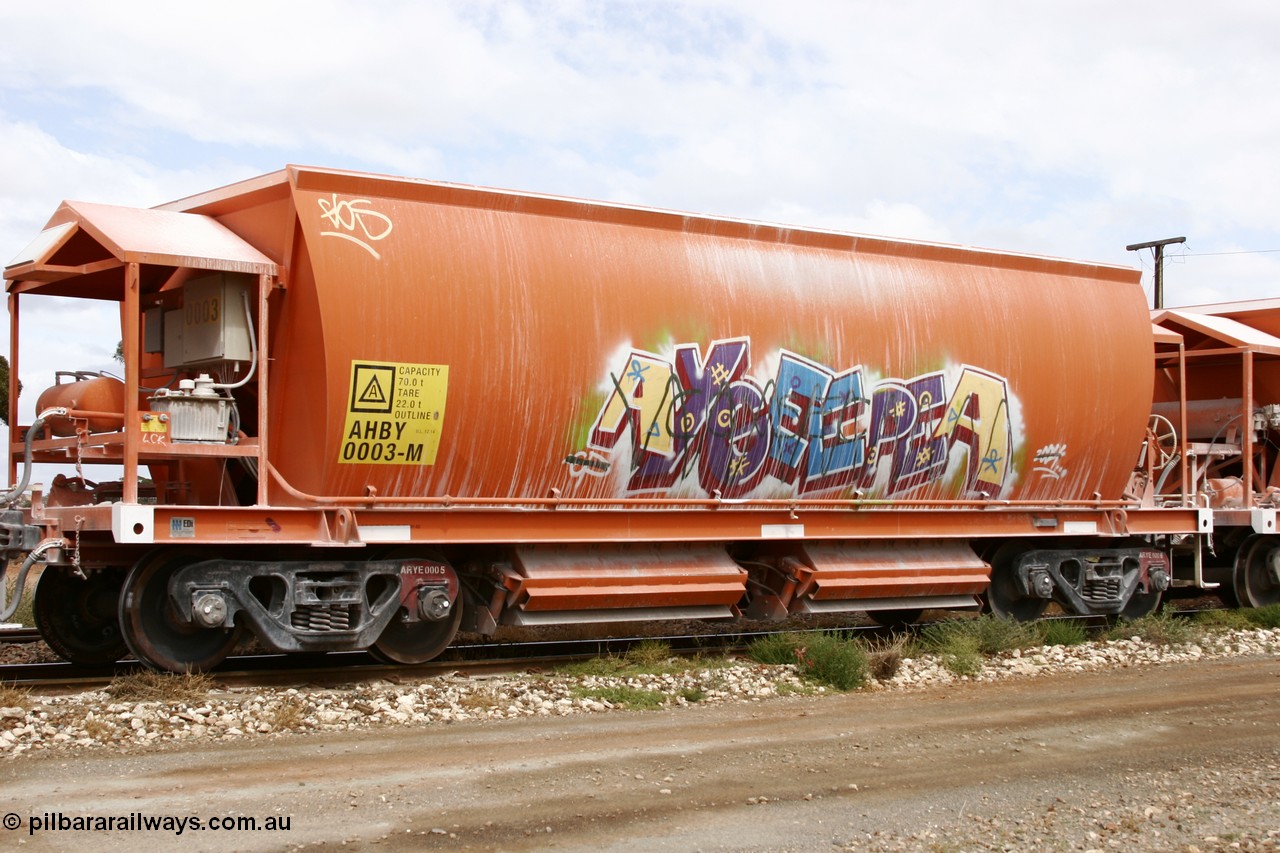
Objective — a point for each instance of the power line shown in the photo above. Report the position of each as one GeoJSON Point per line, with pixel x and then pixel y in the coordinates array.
{"type": "Point", "coordinates": [1192, 254]}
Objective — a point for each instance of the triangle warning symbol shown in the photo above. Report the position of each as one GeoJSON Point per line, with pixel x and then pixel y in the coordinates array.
{"type": "Point", "coordinates": [373, 395]}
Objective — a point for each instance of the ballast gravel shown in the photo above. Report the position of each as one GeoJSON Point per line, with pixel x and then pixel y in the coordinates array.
{"type": "Point", "coordinates": [94, 719]}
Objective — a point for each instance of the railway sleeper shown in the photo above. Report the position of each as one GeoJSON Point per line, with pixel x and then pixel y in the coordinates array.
{"type": "Point", "coordinates": [305, 606]}
{"type": "Point", "coordinates": [1091, 581]}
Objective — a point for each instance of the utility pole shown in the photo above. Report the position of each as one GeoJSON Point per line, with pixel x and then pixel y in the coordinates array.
{"type": "Point", "coordinates": [1158, 246]}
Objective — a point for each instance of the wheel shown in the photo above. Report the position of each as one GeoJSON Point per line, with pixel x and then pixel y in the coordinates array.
{"type": "Point", "coordinates": [417, 642]}
{"type": "Point", "coordinates": [1162, 438]}
{"type": "Point", "coordinates": [895, 618]}
{"type": "Point", "coordinates": [151, 628]}
{"type": "Point", "coordinates": [1004, 598]}
{"type": "Point", "coordinates": [77, 616]}
{"type": "Point", "coordinates": [1140, 604]}
{"type": "Point", "coordinates": [1254, 582]}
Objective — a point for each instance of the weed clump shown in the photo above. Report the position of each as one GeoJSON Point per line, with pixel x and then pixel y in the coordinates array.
{"type": "Point", "coordinates": [987, 634]}
{"type": "Point", "coordinates": [648, 654]}
{"type": "Point", "coordinates": [1160, 629]}
{"type": "Point", "coordinates": [14, 697]}
{"type": "Point", "coordinates": [1063, 632]}
{"type": "Point", "coordinates": [648, 657]}
{"type": "Point", "coordinates": [958, 650]}
{"type": "Point", "coordinates": [997, 635]}
{"type": "Point", "coordinates": [620, 696]}
{"type": "Point", "coordinates": [148, 686]}
{"type": "Point", "coordinates": [884, 658]}
{"type": "Point", "coordinates": [776, 649]}
{"type": "Point", "coordinates": [289, 714]}
{"type": "Point", "coordinates": [1225, 620]}
{"type": "Point", "coordinates": [961, 643]}
{"type": "Point", "coordinates": [822, 658]}
{"type": "Point", "coordinates": [692, 694]}
{"type": "Point", "coordinates": [835, 661]}
{"type": "Point", "coordinates": [1264, 617]}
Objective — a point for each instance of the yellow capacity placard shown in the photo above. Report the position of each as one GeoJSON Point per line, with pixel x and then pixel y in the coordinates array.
{"type": "Point", "coordinates": [395, 413]}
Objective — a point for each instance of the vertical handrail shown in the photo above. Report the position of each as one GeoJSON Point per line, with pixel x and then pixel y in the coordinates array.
{"type": "Point", "coordinates": [13, 383]}
{"type": "Point", "coordinates": [1184, 465]}
{"type": "Point", "coordinates": [1246, 427]}
{"type": "Point", "coordinates": [264, 291]}
{"type": "Point", "coordinates": [129, 347]}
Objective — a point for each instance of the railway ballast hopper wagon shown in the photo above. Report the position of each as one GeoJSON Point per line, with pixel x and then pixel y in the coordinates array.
{"type": "Point", "coordinates": [358, 411]}
{"type": "Point", "coordinates": [1216, 427]}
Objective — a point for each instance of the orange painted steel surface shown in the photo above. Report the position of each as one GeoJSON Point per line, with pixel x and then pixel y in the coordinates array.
{"type": "Point", "coordinates": [101, 395]}
{"type": "Point", "coordinates": [438, 340]}
{"type": "Point", "coordinates": [570, 578]}
{"type": "Point", "coordinates": [844, 570]}
{"type": "Point", "coordinates": [1217, 336]}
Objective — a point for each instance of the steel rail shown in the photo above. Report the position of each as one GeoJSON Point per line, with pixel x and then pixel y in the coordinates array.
{"type": "Point", "coordinates": [345, 667]}
{"type": "Point", "coordinates": [336, 668]}
{"type": "Point", "coordinates": [20, 636]}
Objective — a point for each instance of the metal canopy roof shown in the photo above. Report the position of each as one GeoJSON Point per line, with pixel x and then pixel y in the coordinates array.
{"type": "Point", "coordinates": [84, 239]}
{"type": "Point", "coordinates": [1165, 336]}
{"type": "Point", "coordinates": [1220, 330]}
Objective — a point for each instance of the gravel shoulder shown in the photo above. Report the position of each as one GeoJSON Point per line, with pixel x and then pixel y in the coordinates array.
{"type": "Point", "coordinates": [1178, 755]}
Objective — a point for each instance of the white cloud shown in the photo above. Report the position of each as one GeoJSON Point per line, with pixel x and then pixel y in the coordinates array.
{"type": "Point", "coordinates": [1060, 128]}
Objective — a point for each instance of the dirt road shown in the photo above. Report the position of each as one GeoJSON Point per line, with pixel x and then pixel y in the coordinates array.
{"type": "Point", "coordinates": [1158, 758]}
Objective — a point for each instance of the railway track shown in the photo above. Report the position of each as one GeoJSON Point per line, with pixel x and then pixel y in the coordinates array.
{"type": "Point", "coordinates": [345, 667]}
{"type": "Point", "coordinates": [20, 636]}
{"type": "Point", "coordinates": [472, 658]}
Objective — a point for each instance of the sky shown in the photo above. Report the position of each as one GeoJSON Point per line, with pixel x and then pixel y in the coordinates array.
{"type": "Point", "coordinates": [1058, 128]}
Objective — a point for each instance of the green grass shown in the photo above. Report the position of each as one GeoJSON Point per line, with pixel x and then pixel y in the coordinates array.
{"type": "Point", "coordinates": [1243, 619]}
{"type": "Point", "coordinates": [957, 649]}
{"type": "Point", "coordinates": [988, 634]}
{"type": "Point", "coordinates": [962, 643]}
{"type": "Point", "coordinates": [1224, 620]}
{"type": "Point", "coordinates": [1265, 617]}
{"type": "Point", "coordinates": [843, 663]}
{"type": "Point", "coordinates": [24, 614]}
{"type": "Point", "coordinates": [1063, 632]}
{"type": "Point", "coordinates": [633, 698]}
{"type": "Point", "coordinates": [834, 661]}
{"type": "Point", "coordinates": [962, 656]}
{"type": "Point", "coordinates": [825, 659]}
{"type": "Point", "coordinates": [692, 694]}
{"type": "Point", "coordinates": [648, 657]}
{"type": "Point", "coordinates": [1161, 629]}
{"type": "Point", "coordinates": [776, 649]}
{"type": "Point", "coordinates": [649, 654]}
